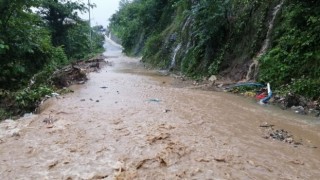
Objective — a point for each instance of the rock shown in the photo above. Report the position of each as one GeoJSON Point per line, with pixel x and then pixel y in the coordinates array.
{"type": "Point", "coordinates": [289, 140]}
{"type": "Point", "coordinates": [173, 37]}
{"type": "Point", "coordinates": [55, 94]}
{"type": "Point", "coordinates": [314, 112]}
{"type": "Point", "coordinates": [220, 85]}
{"type": "Point", "coordinates": [303, 101]}
{"type": "Point", "coordinates": [298, 109]}
{"type": "Point", "coordinates": [291, 100]}
{"type": "Point", "coordinates": [213, 78]}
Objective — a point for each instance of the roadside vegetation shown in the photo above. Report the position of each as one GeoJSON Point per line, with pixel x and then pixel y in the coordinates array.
{"type": "Point", "coordinates": [36, 38]}
{"type": "Point", "coordinates": [222, 37]}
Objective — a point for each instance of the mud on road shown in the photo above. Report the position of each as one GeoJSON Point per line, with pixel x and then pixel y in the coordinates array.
{"type": "Point", "coordinates": [130, 123]}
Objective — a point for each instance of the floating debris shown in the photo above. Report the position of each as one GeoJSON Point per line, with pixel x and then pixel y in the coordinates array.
{"type": "Point", "coordinates": [154, 100]}
{"type": "Point", "coordinates": [220, 160]}
{"type": "Point", "coordinates": [49, 121]}
{"type": "Point", "coordinates": [166, 110]}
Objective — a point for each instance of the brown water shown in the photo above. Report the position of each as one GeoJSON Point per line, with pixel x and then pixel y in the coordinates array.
{"type": "Point", "coordinates": [126, 134]}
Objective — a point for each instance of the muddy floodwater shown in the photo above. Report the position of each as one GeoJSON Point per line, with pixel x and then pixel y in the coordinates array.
{"type": "Point", "coordinates": [127, 122]}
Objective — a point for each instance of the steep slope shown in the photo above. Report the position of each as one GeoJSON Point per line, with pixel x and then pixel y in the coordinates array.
{"type": "Point", "coordinates": [238, 40]}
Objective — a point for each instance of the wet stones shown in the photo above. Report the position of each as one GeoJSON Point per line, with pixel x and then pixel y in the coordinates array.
{"type": "Point", "coordinates": [282, 135]}
{"type": "Point", "coordinates": [278, 134]}
{"type": "Point", "coordinates": [299, 109]}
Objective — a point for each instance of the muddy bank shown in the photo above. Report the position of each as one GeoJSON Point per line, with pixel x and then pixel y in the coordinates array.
{"type": "Point", "coordinates": [127, 122]}
{"type": "Point", "coordinates": [76, 73]}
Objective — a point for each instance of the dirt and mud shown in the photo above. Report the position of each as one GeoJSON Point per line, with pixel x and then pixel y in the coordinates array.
{"type": "Point", "coordinates": [127, 122]}
{"type": "Point", "coordinates": [76, 73]}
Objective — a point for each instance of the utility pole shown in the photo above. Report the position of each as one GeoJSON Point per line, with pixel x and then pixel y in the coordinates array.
{"type": "Point", "coordinates": [90, 33]}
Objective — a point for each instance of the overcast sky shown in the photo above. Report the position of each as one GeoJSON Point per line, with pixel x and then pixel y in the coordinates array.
{"type": "Point", "coordinates": [101, 14]}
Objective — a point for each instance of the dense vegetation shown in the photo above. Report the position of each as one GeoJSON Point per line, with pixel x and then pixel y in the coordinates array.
{"type": "Point", "coordinates": [221, 37]}
{"type": "Point", "coordinates": [37, 37]}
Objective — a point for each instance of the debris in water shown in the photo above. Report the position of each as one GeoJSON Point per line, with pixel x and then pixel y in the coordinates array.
{"type": "Point", "coordinates": [50, 126]}
{"type": "Point", "coordinates": [266, 125]}
{"type": "Point", "coordinates": [203, 160]}
{"type": "Point", "coordinates": [220, 160]}
{"type": "Point", "coordinates": [158, 137]}
{"type": "Point", "coordinates": [49, 120]}
{"type": "Point", "coordinates": [16, 134]}
{"type": "Point", "coordinates": [141, 163]}
{"type": "Point", "coordinates": [297, 162]}
{"type": "Point", "coordinates": [100, 176]}
{"type": "Point", "coordinates": [52, 165]}
{"type": "Point", "coordinates": [119, 166]}
{"type": "Point", "coordinates": [154, 100]}
{"type": "Point", "coordinates": [162, 162]}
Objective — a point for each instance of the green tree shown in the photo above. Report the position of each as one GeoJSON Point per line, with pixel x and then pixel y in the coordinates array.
{"type": "Point", "coordinates": [25, 44]}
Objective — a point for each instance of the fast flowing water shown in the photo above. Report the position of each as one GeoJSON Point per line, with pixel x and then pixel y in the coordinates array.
{"type": "Point", "coordinates": [173, 60]}
{"type": "Point", "coordinates": [253, 68]}
{"type": "Point", "coordinates": [130, 123]}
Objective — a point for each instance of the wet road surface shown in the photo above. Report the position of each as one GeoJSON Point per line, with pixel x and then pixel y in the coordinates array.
{"type": "Point", "coordinates": [127, 122]}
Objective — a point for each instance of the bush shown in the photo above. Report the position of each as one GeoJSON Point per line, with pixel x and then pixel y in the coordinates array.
{"type": "Point", "coordinates": [294, 60]}
{"type": "Point", "coordinates": [28, 99]}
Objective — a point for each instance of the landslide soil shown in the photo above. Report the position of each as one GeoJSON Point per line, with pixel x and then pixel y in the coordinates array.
{"type": "Point", "coordinates": [127, 122]}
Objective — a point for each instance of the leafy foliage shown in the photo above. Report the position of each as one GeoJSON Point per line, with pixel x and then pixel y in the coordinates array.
{"type": "Point", "coordinates": [138, 17]}
{"type": "Point", "coordinates": [294, 60]}
{"type": "Point", "coordinates": [34, 44]}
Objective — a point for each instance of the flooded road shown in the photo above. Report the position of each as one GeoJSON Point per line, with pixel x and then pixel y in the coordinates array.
{"type": "Point", "coordinates": [130, 123]}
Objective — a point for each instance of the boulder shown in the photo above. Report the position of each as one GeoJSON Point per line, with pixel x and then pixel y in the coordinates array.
{"type": "Point", "coordinates": [213, 78]}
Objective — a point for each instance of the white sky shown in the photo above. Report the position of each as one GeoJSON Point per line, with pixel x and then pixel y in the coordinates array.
{"type": "Point", "coordinates": [100, 15]}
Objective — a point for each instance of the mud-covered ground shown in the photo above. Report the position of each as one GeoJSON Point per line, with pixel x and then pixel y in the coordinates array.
{"type": "Point", "coordinates": [130, 123]}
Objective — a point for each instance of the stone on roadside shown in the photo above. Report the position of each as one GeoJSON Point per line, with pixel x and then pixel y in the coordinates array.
{"type": "Point", "coordinates": [213, 78]}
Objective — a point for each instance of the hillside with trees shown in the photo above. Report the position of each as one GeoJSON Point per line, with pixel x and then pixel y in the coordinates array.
{"type": "Point", "coordinates": [255, 40]}
{"type": "Point", "coordinates": [36, 38]}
